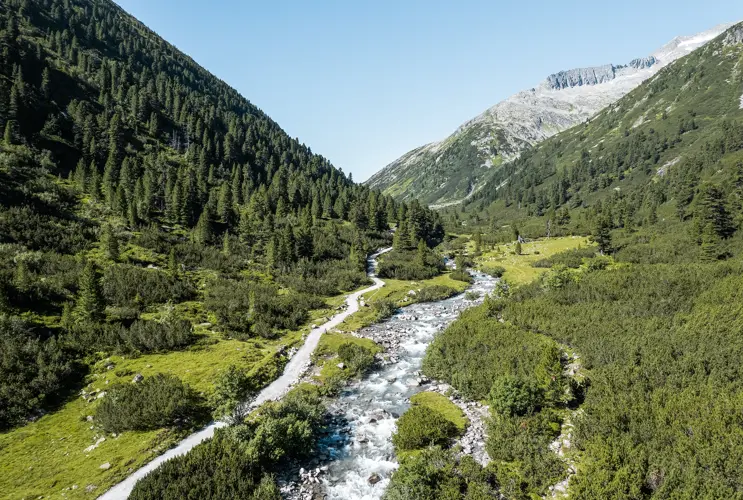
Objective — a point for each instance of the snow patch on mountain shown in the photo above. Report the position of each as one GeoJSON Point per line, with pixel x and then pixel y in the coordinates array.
{"type": "Point", "coordinates": [741, 101]}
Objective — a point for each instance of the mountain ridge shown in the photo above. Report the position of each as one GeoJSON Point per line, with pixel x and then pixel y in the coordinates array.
{"type": "Point", "coordinates": [444, 172]}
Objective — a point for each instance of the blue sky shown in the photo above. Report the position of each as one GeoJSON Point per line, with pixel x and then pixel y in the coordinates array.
{"type": "Point", "coordinates": [363, 82]}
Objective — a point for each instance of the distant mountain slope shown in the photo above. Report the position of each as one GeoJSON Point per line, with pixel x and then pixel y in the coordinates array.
{"type": "Point", "coordinates": [447, 171]}
{"type": "Point", "coordinates": [666, 141]}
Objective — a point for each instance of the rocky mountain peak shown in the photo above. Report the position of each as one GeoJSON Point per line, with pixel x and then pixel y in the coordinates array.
{"type": "Point", "coordinates": [734, 36]}
{"type": "Point", "coordinates": [581, 76]}
{"type": "Point", "coordinates": [642, 62]}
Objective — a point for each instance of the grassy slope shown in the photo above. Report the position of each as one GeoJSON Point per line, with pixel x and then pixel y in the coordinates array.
{"type": "Point", "coordinates": [47, 456]}
{"type": "Point", "coordinates": [441, 404]}
{"type": "Point", "coordinates": [519, 270]}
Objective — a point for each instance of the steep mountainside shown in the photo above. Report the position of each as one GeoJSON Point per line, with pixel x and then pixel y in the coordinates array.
{"type": "Point", "coordinates": [661, 143]}
{"type": "Point", "coordinates": [155, 221]}
{"type": "Point", "coordinates": [447, 171]}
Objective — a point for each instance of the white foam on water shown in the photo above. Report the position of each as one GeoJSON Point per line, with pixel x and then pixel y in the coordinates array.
{"type": "Point", "coordinates": [371, 405]}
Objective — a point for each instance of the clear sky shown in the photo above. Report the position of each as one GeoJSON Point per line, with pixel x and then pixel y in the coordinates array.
{"type": "Point", "coordinates": [363, 82]}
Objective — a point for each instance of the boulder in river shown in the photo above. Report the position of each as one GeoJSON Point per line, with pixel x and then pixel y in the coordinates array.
{"type": "Point", "coordinates": [374, 478]}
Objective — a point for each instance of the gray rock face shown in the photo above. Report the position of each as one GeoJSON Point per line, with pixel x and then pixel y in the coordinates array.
{"type": "Point", "coordinates": [581, 76]}
{"type": "Point", "coordinates": [642, 62]}
{"type": "Point", "coordinates": [734, 36]}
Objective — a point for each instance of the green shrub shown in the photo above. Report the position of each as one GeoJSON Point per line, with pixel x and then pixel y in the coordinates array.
{"type": "Point", "coordinates": [357, 358]}
{"type": "Point", "coordinates": [245, 309]}
{"type": "Point", "coordinates": [598, 263]}
{"type": "Point", "coordinates": [421, 427]}
{"type": "Point", "coordinates": [434, 292]}
{"type": "Point", "coordinates": [471, 295]}
{"type": "Point", "coordinates": [384, 308]}
{"type": "Point", "coordinates": [32, 368]}
{"type": "Point", "coordinates": [408, 265]}
{"type": "Point", "coordinates": [570, 258]}
{"type": "Point", "coordinates": [125, 285]}
{"type": "Point", "coordinates": [515, 396]}
{"type": "Point", "coordinates": [155, 402]}
{"type": "Point", "coordinates": [524, 441]}
{"type": "Point", "coordinates": [461, 275]}
{"type": "Point", "coordinates": [435, 474]}
{"type": "Point", "coordinates": [240, 460]}
{"type": "Point", "coordinates": [494, 271]}
{"type": "Point", "coordinates": [477, 349]}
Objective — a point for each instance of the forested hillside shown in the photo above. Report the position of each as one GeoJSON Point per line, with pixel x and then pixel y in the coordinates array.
{"type": "Point", "coordinates": [141, 197]}
{"type": "Point", "coordinates": [627, 351]}
{"type": "Point", "coordinates": [675, 139]}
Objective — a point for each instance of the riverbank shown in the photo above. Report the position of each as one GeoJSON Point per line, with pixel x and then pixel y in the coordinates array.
{"type": "Point", "coordinates": [355, 458]}
{"type": "Point", "coordinates": [292, 373]}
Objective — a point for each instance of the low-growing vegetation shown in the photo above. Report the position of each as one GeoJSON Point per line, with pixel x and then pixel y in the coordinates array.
{"type": "Point", "coordinates": [239, 462]}
{"type": "Point", "coordinates": [152, 403]}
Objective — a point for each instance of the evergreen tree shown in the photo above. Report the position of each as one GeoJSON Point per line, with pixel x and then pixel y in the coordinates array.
{"type": "Point", "coordinates": [10, 133]}
{"type": "Point", "coordinates": [710, 243]}
{"type": "Point", "coordinates": [712, 210]}
{"type": "Point", "coordinates": [21, 277]}
{"type": "Point", "coordinates": [204, 231]}
{"type": "Point", "coordinates": [173, 266]}
{"type": "Point", "coordinates": [90, 306]}
{"type": "Point", "coordinates": [110, 243]}
{"type": "Point", "coordinates": [602, 234]}
{"type": "Point", "coordinates": [422, 253]}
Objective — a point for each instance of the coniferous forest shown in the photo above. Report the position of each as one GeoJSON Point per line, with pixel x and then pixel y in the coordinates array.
{"type": "Point", "coordinates": [136, 187]}
{"type": "Point", "coordinates": [148, 210]}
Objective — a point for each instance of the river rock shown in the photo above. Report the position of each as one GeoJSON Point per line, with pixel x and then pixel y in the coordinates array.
{"type": "Point", "coordinates": [374, 478]}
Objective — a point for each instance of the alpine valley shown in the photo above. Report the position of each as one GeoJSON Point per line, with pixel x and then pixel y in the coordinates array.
{"type": "Point", "coordinates": [195, 305]}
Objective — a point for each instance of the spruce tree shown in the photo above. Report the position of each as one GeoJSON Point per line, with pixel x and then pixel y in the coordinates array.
{"type": "Point", "coordinates": [110, 243]}
{"type": "Point", "coordinates": [710, 243]}
{"type": "Point", "coordinates": [173, 266]}
{"type": "Point", "coordinates": [422, 253]}
{"type": "Point", "coordinates": [10, 133]}
{"type": "Point", "coordinates": [602, 234]}
{"type": "Point", "coordinates": [90, 306]}
{"type": "Point", "coordinates": [204, 231]}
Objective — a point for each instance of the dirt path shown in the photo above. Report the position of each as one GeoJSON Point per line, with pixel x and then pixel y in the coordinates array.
{"type": "Point", "coordinates": [293, 371]}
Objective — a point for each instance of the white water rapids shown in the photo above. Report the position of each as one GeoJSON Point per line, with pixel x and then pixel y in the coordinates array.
{"type": "Point", "coordinates": [358, 446]}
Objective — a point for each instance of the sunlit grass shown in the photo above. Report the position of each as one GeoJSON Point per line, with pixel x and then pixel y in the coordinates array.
{"type": "Point", "coordinates": [519, 269]}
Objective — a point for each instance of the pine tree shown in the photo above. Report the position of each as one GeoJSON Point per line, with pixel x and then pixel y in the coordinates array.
{"type": "Point", "coordinates": [10, 133]}
{"type": "Point", "coordinates": [477, 238]}
{"type": "Point", "coordinates": [422, 253]}
{"type": "Point", "coordinates": [21, 277]}
{"type": "Point", "coordinates": [518, 248]}
{"type": "Point", "coordinates": [90, 305]}
{"type": "Point", "coordinates": [710, 243]}
{"type": "Point", "coordinates": [602, 234]}
{"type": "Point", "coordinates": [226, 248]}
{"type": "Point", "coordinates": [45, 83]}
{"type": "Point", "coordinates": [712, 210]}
{"type": "Point", "coordinates": [204, 231]}
{"type": "Point", "coordinates": [110, 243]}
{"type": "Point", "coordinates": [173, 266]}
